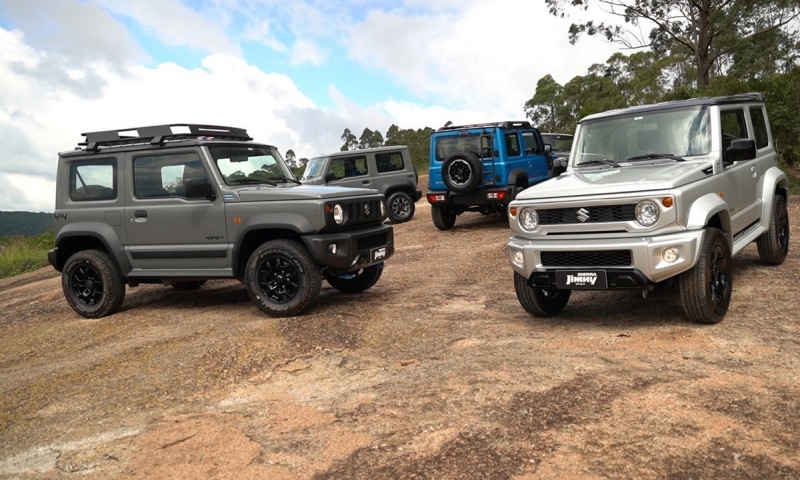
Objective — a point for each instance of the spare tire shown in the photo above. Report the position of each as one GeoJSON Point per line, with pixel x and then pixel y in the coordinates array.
{"type": "Point", "coordinates": [462, 172]}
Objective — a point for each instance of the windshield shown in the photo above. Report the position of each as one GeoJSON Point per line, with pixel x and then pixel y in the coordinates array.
{"type": "Point", "coordinates": [314, 168]}
{"type": "Point", "coordinates": [644, 135]}
{"type": "Point", "coordinates": [559, 143]}
{"type": "Point", "coordinates": [250, 164]}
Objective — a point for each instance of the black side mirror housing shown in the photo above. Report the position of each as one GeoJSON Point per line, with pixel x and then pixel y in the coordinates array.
{"type": "Point", "coordinates": [199, 188]}
{"type": "Point", "coordinates": [740, 149]}
{"type": "Point", "coordinates": [329, 177]}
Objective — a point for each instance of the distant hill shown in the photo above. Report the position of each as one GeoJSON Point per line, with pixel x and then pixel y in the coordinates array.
{"type": "Point", "coordinates": [24, 223]}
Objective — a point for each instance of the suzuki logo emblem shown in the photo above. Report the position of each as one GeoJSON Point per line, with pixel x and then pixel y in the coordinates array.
{"type": "Point", "coordinates": [583, 214]}
{"type": "Point", "coordinates": [366, 210]}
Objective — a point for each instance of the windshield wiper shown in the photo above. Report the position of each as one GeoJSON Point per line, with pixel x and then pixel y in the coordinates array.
{"type": "Point", "coordinates": [285, 179]}
{"type": "Point", "coordinates": [598, 161]}
{"type": "Point", "coordinates": [654, 156]}
{"type": "Point", "coordinates": [251, 181]}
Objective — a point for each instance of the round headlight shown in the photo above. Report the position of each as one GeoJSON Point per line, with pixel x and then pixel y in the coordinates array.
{"type": "Point", "coordinates": [338, 214]}
{"type": "Point", "coordinates": [528, 219]}
{"type": "Point", "coordinates": [647, 213]}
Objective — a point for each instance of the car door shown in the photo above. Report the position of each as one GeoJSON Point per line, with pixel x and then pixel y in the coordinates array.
{"type": "Point", "coordinates": [742, 176]}
{"type": "Point", "coordinates": [349, 171]}
{"type": "Point", "coordinates": [536, 163]}
{"type": "Point", "coordinates": [167, 231]}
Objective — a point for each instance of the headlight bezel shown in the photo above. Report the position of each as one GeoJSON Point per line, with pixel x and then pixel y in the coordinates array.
{"type": "Point", "coordinates": [338, 214]}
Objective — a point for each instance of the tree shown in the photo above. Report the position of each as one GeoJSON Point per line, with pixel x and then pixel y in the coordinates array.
{"type": "Point", "coordinates": [291, 158]}
{"type": "Point", "coordinates": [706, 31]}
{"type": "Point", "coordinates": [350, 141]}
{"type": "Point", "coordinates": [370, 139]}
{"type": "Point", "coordinates": [545, 108]}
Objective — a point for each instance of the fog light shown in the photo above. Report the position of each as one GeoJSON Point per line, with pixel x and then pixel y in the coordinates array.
{"type": "Point", "coordinates": [670, 255]}
{"type": "Point", "coordinates": [518, 258]}
{"type": "Point", "coordinates": [333, 248]}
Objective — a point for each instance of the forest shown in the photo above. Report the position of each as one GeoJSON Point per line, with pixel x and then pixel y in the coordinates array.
{"type": "Point", "coordinates": [24, 223]}
{"type": "Point", "coordinates": [678, 49]}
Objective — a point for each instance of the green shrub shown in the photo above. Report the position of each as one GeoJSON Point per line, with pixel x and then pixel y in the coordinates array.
{"type": "Point", "coordinates": [22, 254]}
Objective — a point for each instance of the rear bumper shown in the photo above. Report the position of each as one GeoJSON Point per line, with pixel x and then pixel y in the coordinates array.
{"type": "Point", "coordinates": [478, 197]}
{"type": "Point", "coordinates": [349, 251]}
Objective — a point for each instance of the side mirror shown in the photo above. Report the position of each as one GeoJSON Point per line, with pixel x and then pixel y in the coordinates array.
{"type": "Point", "coordinates": [547, 148]}
{"type": "Point", "coordinates": [329, 177]}
{"type": "Point", "coordinates": [740, 149]}
{"type": "Point", "coordinates": [199, 188]}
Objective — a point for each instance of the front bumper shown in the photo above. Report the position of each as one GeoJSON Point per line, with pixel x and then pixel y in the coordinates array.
{"type": "Point", "coordinates": [353, 250]}
{"type": "Point", "coordinates": [644, 267]}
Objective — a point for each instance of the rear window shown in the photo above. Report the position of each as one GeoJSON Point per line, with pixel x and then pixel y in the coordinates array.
{"type": "Point", "coordinates": [480, 145]}
{"type": "Point", "coordinates": [93, 181]}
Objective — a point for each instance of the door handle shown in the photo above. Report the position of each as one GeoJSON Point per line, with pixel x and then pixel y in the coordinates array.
{"type": "Point", "coordinates": [365, 182]}
{"type": "Point", "coordinates": [140, 213]}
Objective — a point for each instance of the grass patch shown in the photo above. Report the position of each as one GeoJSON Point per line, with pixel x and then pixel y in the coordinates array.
{"type": "Point", "coordinates": [22, 254]}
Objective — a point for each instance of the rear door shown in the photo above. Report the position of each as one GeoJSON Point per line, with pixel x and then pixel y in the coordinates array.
{"type": "Point", "coordinates": [166, 229]}
{"type": "Point", "coordinates": [350, 171]}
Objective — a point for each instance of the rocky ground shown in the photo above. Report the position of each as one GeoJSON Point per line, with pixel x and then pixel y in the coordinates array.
{"type": "Point", "coordinates": [435, 373]}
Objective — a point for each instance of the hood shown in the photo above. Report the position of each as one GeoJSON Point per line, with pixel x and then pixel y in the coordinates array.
{"type": "Point", "coordinates": [614, 180]}
{"type": "Point", "coordinates": [298, 192]}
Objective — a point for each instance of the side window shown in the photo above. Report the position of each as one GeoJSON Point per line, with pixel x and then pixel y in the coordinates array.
{"type": "Point", "coordinates": [531, 147]}
{"type": "Point", "coordinates": [733, 126]}
{"type": "Point", "coordinates": [759, 126]}
{"type": "Point", "coordinates": [389, 162]}
{"type": "Point", "coordinates": [165, 175]}
{"type": "Point", "coordinates": [512, 144]}
{"type": "Point", "coordinates": [347, 167]}
{"type": "Point", "coordinates": [94, 180]}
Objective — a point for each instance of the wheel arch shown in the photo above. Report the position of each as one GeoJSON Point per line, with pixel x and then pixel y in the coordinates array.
{"type": "Point", "coordinates": [775, 183]}
{"type": "Point", "coordinates": [250, 240]}
{"type": "Point", "coordinates": [75, 237]}
{"type": "Point", "coordinates": [710, 210]}
{"type": "Point", "coordinates": [518, 177]}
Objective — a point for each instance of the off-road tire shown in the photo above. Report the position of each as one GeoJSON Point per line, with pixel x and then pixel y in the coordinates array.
{"type": "Point", "coordinates": [773, 245]}
{"type": "Point", "coordinates": [443, 216]}
{"type": "Point", "coordinates": [356, 282]}
{"type": "Point", "coordinates": [282, 279]}
{"type": "Point", "coordinates": [540, 302]}
{"type": "Point", "coordinates": [400, 207]}
{"type": "Point", "coordinates": [92, 284]}
{"type": "Point", "coordinates": [462, 172]}
{"type": "Point", "coordinates": [706, 289]}
{"type": "Point", "coordinates": [185, 286]}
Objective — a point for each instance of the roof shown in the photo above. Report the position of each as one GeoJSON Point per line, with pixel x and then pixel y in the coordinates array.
{"type": "Point", "coordinates": [342, 153]}
{"type": "Point", "coordinates": [753, 97]}
{"type": "Point", "coordinates": [505, 124]}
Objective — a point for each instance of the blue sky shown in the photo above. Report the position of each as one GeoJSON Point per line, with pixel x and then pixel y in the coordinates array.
{"type": "Point", "coordinates": [294, 74]}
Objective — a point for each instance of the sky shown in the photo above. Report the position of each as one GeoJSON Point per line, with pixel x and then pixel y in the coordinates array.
{"type": "Point", "coordinates": [294, 73]}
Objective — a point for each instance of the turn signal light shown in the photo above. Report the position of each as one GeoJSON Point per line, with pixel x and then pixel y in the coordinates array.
{"type": "Point", "coordinates": [667, 201]}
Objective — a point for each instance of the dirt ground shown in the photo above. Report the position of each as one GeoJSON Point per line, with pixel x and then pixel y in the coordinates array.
{"type": "Point", "coordinates": [435, 373]}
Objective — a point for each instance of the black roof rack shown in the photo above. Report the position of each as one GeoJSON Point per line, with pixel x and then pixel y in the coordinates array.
{"type": "Point", "coordinates": [158, 134]}
{"type": "Point", "coordinates": [506, 124]}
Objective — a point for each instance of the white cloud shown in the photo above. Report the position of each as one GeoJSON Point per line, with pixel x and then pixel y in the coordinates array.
{"type": "Point", "coordinates": [176, 24]}
{"type": "Point", "coordinates": [486, 57]}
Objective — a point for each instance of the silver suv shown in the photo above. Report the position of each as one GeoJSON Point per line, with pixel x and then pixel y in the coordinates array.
{"type": "Point", "coordinates": [182, 204]}
{"type": "Point", "coordinates": [389, 170]}
{"type": "Point", "coordinates": [654, 194]}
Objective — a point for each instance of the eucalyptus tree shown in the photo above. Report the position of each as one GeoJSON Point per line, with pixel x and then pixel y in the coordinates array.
{"type": "Point", "coordinates": [708, 32]}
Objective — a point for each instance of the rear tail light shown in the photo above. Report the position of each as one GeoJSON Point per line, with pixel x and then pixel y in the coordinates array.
{"type": "Point", "coordinates": [436, 197]}
{"type": "Point", "coordinates": [496, 195]}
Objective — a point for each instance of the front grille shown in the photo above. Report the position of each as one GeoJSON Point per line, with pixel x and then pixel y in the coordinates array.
{"type": "Point", "coordinates": [601, 258]}
{"type": "Point", "coordinates": [359, 211]}
{"type": "Point", "coordinates": [372, 241]}
{"type": "Point", "coordinates": [602, 214]}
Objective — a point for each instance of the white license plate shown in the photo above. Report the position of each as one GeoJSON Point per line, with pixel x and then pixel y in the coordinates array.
{"type": "Point", "coordinates": [377, 254]}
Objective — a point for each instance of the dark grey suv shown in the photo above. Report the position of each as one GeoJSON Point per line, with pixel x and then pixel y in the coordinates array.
{"type": "Point", "coordinates": [181, 204]}
{"type": "Point", "coordinates": [386, 169]}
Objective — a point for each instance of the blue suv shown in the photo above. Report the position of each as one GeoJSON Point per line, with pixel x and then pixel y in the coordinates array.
{"type": "Point", "coordinates": [482, 167]}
